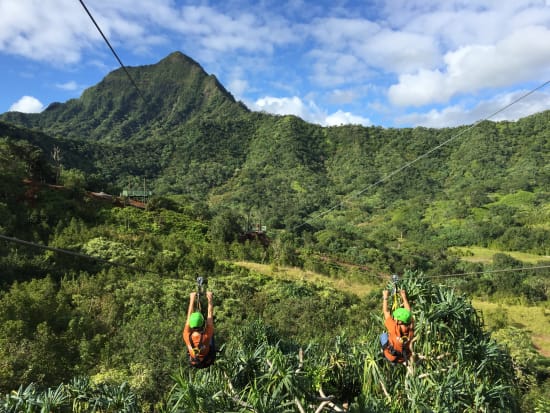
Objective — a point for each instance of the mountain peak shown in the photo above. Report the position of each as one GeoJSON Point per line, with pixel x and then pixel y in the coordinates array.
{"type": "Point", "coordinates": [178, 57]}
{"type": "Point", "coordinates": [169, 93]}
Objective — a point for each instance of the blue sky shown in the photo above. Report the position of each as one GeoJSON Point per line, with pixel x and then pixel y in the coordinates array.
{"type": "Point", "coordinates": [393, 63]}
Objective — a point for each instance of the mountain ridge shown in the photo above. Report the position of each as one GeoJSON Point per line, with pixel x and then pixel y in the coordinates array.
{"type": "Point", "coordinates": [192, 138]}
{"type": "Point", "coordinates": [171, 92]}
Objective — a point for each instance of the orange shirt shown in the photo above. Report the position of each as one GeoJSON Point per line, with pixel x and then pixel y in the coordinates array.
{"type": "Point", "coordinates": [203, 347]}
{"type": "Point", "coordinates": [397, 339]}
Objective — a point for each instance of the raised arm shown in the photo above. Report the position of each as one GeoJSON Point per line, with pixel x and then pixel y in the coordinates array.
{"type": "Point", "coordinates": [191, 305]}
{"type": "Point", "coordinates": [385, 295]}
{"type": "Point", "coordinates": [405, 301]}
{"type": "Point", "coordinates": [210, 315]}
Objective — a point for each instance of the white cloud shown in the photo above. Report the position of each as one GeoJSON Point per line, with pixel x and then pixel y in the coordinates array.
{"type": "Point", "coordinates": [309, 112]}
{"type": "Point", "coordinates": [346, 118]}
{"type": "Point", "coordinates": [27, 104]}
{"type": "Point", "coordinates": [338, 33]}
{"type": "Point", "coordinates": [340, 96]}
{"type": "Point", "coordinates": [71, 85]}
{"type": "Point", "coordinates": [238, 87]}
{"type": "Point", "coordinates": [244, 31]}
{"type": "Point", "coordinates": [534, 103]}
{"type": "Point", "coordinates": [30, 29]}
{"type": "Point", "coordinates": [459, 114]}
{"type": "Point", "coordinates": [399, 51]}
{"type": "Point", "coordinates": [285, 106]}
{"type": "Point", "coordinates": [331, 69]}
{"type": "Point", "coordinates": [422, 88]}
{"type": "Point", "coordinates": [352, 50]}
{"type": "Point", "coordinates": [521, 56]}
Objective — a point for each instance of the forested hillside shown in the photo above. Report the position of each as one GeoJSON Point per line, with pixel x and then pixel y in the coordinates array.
{"type": "Point", "coordinates": [93, 292]}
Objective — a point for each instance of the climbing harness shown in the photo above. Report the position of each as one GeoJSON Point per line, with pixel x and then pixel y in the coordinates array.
{"type": "Point", "coordinates": [384, 337]}
{"type": "Point", "coordinates": [194, 357]}
{"type": "Point", "coordinates": [399, 355]}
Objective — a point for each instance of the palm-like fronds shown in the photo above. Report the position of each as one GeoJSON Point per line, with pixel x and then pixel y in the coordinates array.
{"type": "Point", "coordinates": [53, 400]}
{"type": "Point", "coordinates": [112, 398]}
{"type": "Point", "coordinates": [457, 366]}
{"type": "Point", "coordinates": [80, 391]}
{"type": "Point", "coordinates": [22, 400]}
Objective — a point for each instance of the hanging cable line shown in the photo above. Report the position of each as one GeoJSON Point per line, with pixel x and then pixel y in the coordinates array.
{"type": "Point", "coordinates": [488, 272]}
{"type": "Point", "coordinates": [388, 276]}
{"type": "Point", "coordinates": [469, 274]}
{"type": "Point", "coordinates": [76, 254]}
{"type": "Point", "coordinates": [112, 49]}
{"type": "Point", "coordinates": [144, 270]}
{"type": "Point", "coordinates": [408, 164]}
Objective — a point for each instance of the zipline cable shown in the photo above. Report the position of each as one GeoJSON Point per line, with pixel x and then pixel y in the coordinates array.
{"type": "Point", "coordinates": [472, 273]}
{"type": "Point", "coordinates": [487, 272]}
{"type": "Point", "coordinates": [391, 277]}
{"type": "Point", "coordinates": [144, 270]}
{"type": "Point", "coordinates": [408, 164]}
{"type": "Point", "coordinates": [112, 50]}
{"type": "Point", "coordinates": [77, 254]}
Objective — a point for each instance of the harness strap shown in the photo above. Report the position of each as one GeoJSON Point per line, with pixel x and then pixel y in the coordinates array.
{"type": "Point", "coordinates": [194, 352]}
{"type": "Point", "coordinates": [404, 354]}
{"type": "Point", "coordinates": [395, 304]}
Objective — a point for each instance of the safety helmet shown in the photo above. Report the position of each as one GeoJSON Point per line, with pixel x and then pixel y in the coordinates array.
{"type": "Point", "coordinates": [196, 320]}
{"type": "Point", "coordinates": [403, 315]}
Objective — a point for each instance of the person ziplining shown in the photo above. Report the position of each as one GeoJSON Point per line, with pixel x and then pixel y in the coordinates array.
{"type": "Point", "coordinates": [396, 342]}
{"type": "Point", "coordinates": [198, 333]}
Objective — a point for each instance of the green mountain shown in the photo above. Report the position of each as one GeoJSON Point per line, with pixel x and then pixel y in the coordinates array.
{"type": "Point", "coordinates": [184, 134]}
{"type": "Point", "coordinates": [179, 116]}
{"type": "Point", "coordinates": [170, 93]}
{"type": "Point", "coordinates": [349, 204]}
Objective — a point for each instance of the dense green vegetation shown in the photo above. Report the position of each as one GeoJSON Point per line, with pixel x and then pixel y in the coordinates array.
{"type": "Point", "coordinates": [104, 334]}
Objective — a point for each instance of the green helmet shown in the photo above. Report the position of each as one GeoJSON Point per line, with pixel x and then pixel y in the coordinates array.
{"type": "Point", "coordinates": [196, 320]}
{"type": "Point", "coordinates": [403, 315]}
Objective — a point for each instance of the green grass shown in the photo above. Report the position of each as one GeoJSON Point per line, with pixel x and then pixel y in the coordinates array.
{"type": "Point", "coordinates": [535, 320]}
{"type": "Point", "coordinates": [294, 273]}
{"type": "Point", "coordinates": [485, 255]}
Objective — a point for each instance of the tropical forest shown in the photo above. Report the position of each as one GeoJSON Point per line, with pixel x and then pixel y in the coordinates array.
{"type": "Point", "coordinates": [120, 204]}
